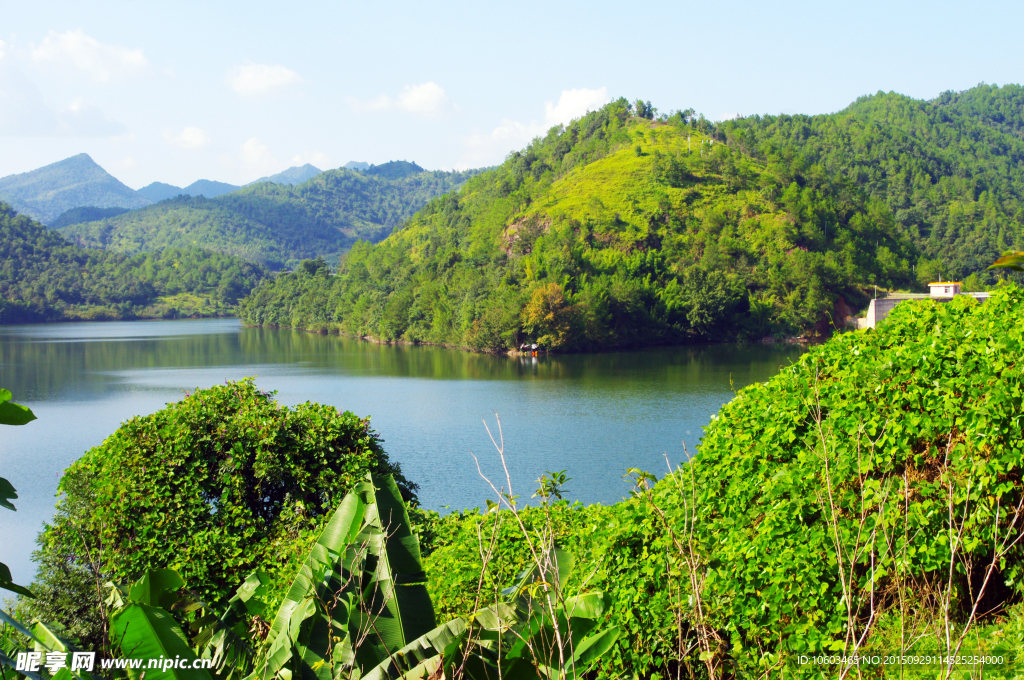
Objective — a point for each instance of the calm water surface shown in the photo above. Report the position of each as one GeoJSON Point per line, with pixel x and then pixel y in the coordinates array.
{"type": "Point", "coordinates": [593, 415]}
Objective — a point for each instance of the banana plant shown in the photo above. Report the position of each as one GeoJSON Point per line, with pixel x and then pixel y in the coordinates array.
{"type": "Point", "coordinates": [142, 627]}
{"type": "Point", "coordinates": [359, 596]}
{"type": "Point", "coordinates": [535, 632]}
{"type": "Point", "coordinates": [43, 637]}
{"type": "Point", "coordinates": [225, 640]}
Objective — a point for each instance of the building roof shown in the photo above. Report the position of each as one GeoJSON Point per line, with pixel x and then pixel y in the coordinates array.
{"type": "Point", "coordinates": [946, 283]}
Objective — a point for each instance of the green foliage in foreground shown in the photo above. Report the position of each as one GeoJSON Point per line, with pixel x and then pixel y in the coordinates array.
{"type": "Point", "coordinates": [11, 414]}
{"type": "Point", "coordinates": [902, 426]}
{"type": "Point", "coordinates": [275, 224]}
{"type": "Point", "coordinates": [216, 485]}
{"type": "Point", "coordinates": [917, 417]}
{"type": "Point", "coordinates": [45, 278]}
{"type": "Point", "coordinates": [614, 231]}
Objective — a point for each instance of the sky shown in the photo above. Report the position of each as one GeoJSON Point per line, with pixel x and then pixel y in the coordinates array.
{"type": "Point", "coordinates": [233, 91]}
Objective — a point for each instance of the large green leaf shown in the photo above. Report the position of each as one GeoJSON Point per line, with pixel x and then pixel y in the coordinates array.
{"type": "Point", "coordinates": [49, 639]}
{"type": "Point", "coordinates": [399, 608]}
{"type": "Point", "coordinates": [7, 584]}
{"type": "Point", "coordinates": [588, 652]}
{"type": "Point", "coordinates": [157, 588]}
{"type": "Point", "coordinates": [422, 656]}
{"type": "Point", "coordinates": [7, 494]}
{"type": "Point", "coordinates": [146, 632]}
{"type": "Point", "coordinates": [11, 413]}
{"type": "Point", "coordinates": [1011, 259]}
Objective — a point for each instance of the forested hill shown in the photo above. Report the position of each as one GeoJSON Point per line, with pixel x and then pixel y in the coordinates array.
{"type": "Point", "coordinates": [619, 230]}
{"type": "Point", "coordinates": [951, 169]}
{"type": "Point", "coordinates": [274, 224]}
{"type": "Point", "coordinates": [45, 278]}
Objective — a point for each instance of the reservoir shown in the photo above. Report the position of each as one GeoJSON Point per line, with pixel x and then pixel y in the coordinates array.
{"type": "Point", "coordinates": [593, 415]}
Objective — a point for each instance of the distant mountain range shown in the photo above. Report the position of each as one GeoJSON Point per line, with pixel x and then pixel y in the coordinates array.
{"type": "Point", "coordinates": [278, 224]}
{"type": "Point", "coordinates": [277, 220]}
{"type": "Point", "coordinates": [74, 182]}
{"type": "Point", "coordinates": [56, 191]}
{"type": "Point", "coordinates": [159, 191]}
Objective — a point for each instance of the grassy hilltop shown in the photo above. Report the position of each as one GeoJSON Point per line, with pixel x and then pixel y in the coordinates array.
{"type": "Point", "coordinates": [617, 230]}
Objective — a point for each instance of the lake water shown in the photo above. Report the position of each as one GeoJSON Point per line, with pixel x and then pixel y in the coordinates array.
{"type": "Point", "coordinates": [593, 415]}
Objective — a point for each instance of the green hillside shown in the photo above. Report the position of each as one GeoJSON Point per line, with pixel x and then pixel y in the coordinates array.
{"type": "Point", "coordinates": [45, 278]}
{"type": "Point", "coordinates": [274, 224]}
{"type": "Point", "coordinates": [45, 193]}
{"type": "Point", "coordinates": [950, 170]}
{"type": "Point", "coordinates": [619, 230]}
{"type": "Point", "coordinates": [84, 214]}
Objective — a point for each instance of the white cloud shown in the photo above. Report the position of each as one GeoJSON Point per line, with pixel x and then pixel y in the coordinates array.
{"type": "Point", "coordinates": [490, 149]}
{"type": "Point", "coordinates": [256, 158]}
{"type": "Point", "coordinates": [573, 104]}
{"type": "Point", "coordinates": [101, 62]}
{"type": "Point", "coordinates": [427, 99]}
{"type": "Point", "coordinates": [189, 138]}
{"type": "Point", "coordinates": [3, 49]}
{"type": "Point", "coordinates": [317, 158]}
{"type": "Point", "coordinates": [251, 80]}
{"type": "Point", "coordinates": [128, 163]}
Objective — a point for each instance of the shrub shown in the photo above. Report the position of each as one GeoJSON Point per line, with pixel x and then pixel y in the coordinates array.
{"type": "Point", "coordinates": [214, 486]}
{"type": "Point", "coordinates": [853, 482]}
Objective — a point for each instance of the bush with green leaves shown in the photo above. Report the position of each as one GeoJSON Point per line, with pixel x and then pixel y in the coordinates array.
{"type": "Point", "coordinates": [223, 482]}
{"type": "Point", "coordinates": [879, 475]}
{"type": "Point", "coordinates": [620, 550]}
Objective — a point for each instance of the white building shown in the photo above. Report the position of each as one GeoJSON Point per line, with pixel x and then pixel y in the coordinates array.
{"type": "Point", "coordinates": [942, 291]}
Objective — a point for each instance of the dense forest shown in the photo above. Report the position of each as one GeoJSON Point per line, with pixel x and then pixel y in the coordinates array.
{"type": "Point", "coordinates": [950, 170]}
{"type": "Point", "coordinates": [628, 228]}
{"type": "Point", "coordinates": [274, 224]}
{"type": "Point", "coordinates": [45, 278]}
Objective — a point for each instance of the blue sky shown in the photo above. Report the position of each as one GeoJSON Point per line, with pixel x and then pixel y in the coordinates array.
{"type": "Point", "coordinates": [233, 91]}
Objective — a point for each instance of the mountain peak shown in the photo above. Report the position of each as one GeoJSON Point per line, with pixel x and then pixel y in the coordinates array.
{"type": "Point", "coordinates": [293, 175]}
{"type": "Point", "coordinates": [46, 192]}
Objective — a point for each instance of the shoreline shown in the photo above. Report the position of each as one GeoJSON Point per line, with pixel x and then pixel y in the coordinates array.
{"type": "Point", "coordinates": [798, 340]}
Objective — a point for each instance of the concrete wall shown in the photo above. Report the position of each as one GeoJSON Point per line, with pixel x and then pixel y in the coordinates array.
{"type": "Point", "coordinates": [879, 308]}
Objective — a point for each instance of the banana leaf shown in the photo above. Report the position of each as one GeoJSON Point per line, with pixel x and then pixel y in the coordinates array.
{"type": "Point", "coordinates": [398, 607]}
{"type": "Point", "coordinates": [147, 632]}
{"type": "Point", "coordinates": [299, 603]}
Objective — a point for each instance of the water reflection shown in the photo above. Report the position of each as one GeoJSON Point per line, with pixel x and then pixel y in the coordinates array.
{"type": "Point", "coordinates": [594, 415]}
